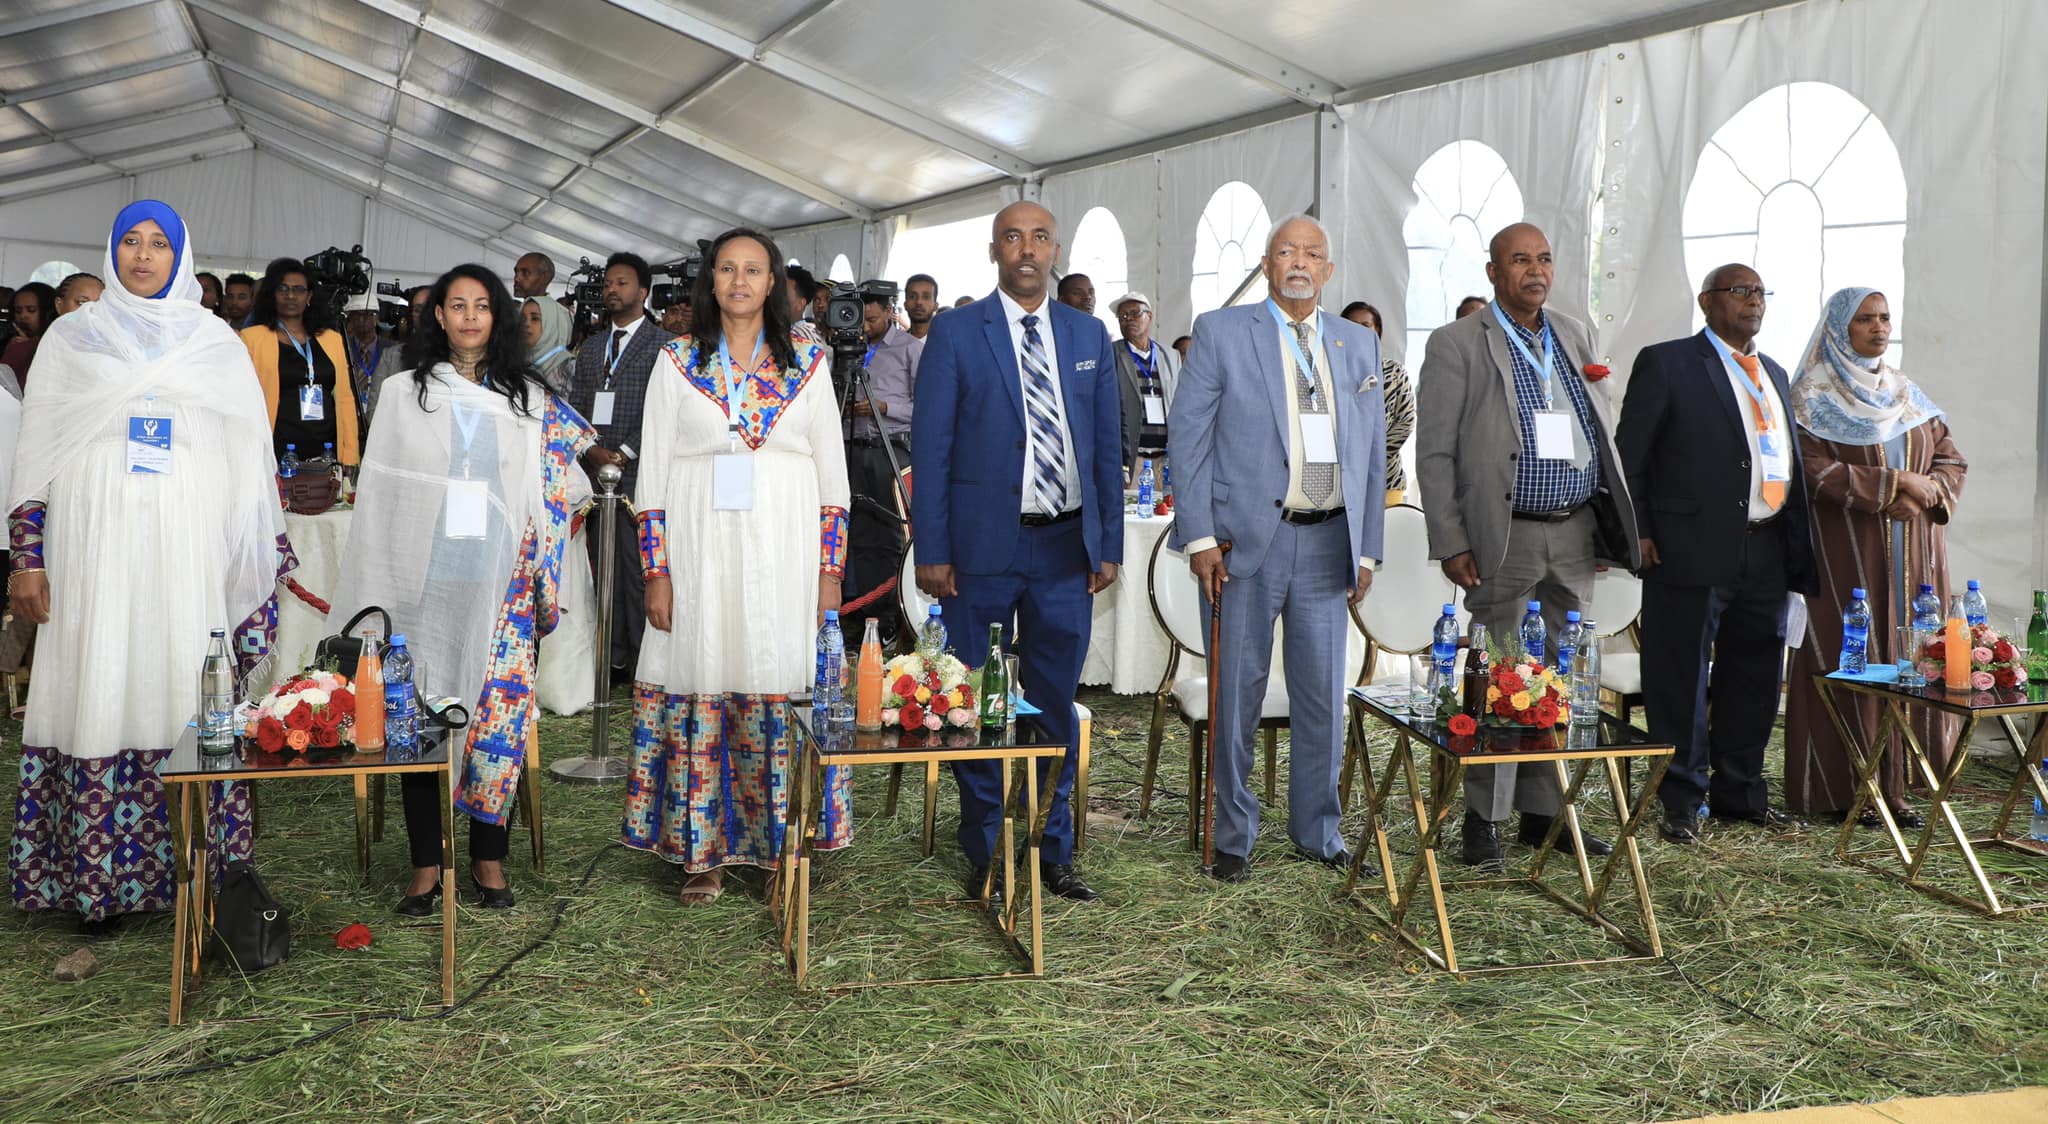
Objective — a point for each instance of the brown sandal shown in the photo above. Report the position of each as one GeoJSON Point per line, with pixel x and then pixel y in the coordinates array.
{"type": "Point", "coordinates": [703, 889]}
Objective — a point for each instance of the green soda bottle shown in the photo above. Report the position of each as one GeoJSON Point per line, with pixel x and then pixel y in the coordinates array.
{"type": "Point", "coordinates": [995, 683]}
{"type": "Point", "coordinates": [2037, 638]}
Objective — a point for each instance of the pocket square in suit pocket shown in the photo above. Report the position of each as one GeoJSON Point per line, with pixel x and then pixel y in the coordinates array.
{"type": "Point", "coordinates": [1370, 382]}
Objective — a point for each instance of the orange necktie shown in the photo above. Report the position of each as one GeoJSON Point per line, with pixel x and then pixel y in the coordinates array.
{"type": "Point", "coordinates": [1773, 490]}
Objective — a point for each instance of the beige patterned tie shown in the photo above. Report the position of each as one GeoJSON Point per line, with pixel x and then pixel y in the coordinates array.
{"type": "Point", "coordinates": [1318, 481]}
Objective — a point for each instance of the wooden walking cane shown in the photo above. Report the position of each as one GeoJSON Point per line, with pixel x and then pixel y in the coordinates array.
{"type": "Point", "coordinates": [1215, 678]}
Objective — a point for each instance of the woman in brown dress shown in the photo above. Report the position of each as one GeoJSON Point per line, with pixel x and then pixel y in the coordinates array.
{"type": "Point", "coordinates": [1884, 476]}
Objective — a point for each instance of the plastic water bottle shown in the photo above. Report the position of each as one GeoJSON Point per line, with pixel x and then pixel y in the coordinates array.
{"type": "Point", "coordinates": [1568, 643]}
{"type": "Point", "coordinates": [401, 712]}
{"type": "Point", "coordinates": [2039, 832]}
{"type": "Point", "coordinates": [1926, 611]}
{"type": "Point", "coordinates": [1855, 633]}
{"type": "Point", "coordinates": [1535, 638]}
{"type": "Point", "coordinates": [1975, 611]}
{"type": "Point", "coordinates": [288, 466]}
{"type": "Point", "coordinates": [829, 688]}
{"type": "Point", "coordinates": [217, 697]}
{"type": "Point", "coordinates": [333, 462]}
{"type": "Point", "coordinates": [931, 636]}
{"type": "Point", "coordinates": [1586, 677]}
{"type": "Point", "coordinates": [1443, 655]}
{"type": "Point", "coordinates": [1145, 480]}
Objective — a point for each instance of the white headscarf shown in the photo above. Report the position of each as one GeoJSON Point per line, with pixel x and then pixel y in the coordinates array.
{"type": "Point", "coordinates": [108, 359]}
{"type": "Point", "coordinates": [1843, 397]}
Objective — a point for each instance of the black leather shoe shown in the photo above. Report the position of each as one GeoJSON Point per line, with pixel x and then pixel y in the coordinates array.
{"type": "Point", "coordinates": [1908, 818]}
{"type": "Point", "coordinates": [419, 905]}
{"type": "Point", "coordinates": [493, 897]}
{"type": "Point", "coordinates": [1534, 827]}
{"type": "Point", "coordinates": [1482, 843]}
{"type": "Point", "coordinates": [1339, 862]}
{"type": "Point", "coordinates": [1680, 827]}
{"type": "Point", "coordinates": [1231, 868]}
{"type": "Point", "coordinates": [1765, 816]}
{"type": "Point", "coordinates": [1065, 882]}
{"type": "Point", "coordinates": [103, 929]}
{"type": "Point", "coordinates": [979, 875]}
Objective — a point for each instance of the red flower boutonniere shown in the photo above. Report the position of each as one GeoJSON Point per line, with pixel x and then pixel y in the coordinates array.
{"type": "Point", "coordinates": [1595, 372]}
{"type": "Point", "coordinates": [353, 936]}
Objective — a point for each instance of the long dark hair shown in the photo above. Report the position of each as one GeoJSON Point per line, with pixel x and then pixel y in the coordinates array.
{"type": "Point", "coordinates": [705, 323]}
{"type": "Point", "coordinates": [504, 361]}
{"type": "Point", "coordinates": [264, 310]}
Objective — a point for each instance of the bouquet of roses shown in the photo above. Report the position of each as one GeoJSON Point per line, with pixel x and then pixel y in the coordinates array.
{"type": "Point", "coordinates": [920, 694]}
{"type": "Point", "coordinates": [314, 709]}
{"type": "Point", "coordinates": [1523, 692]}
{"type": "Point", "coordinates": [1994, 662]}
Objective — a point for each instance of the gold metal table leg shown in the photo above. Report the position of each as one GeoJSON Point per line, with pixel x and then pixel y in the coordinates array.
{"type": "Point", "coordinates": [448, 891]}
{"type": "Point", "coordinates": [181, 854]}
{"type": "Point", "coordinates": [362, 785]}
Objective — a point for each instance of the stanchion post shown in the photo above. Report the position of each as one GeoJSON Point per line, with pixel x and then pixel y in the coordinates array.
{"type": "Point", "coordinates": [599, 765]}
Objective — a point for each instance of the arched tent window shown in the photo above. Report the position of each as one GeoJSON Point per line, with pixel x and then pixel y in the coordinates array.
{"type": "Point", "coordinates": [1464, 194]}
{"type": "Point", "coordinates": [1098, 251]}
{"type": "Point", "coordinates": [1805, 184]}
{"type": "Point", "coordinates": [954, 253]}
{"type": "Point", "coordinates": [842, 270]}
{"type": "Point", "coordinates": [51, 272]}
{"type": "Point", "coordinates": [1229, 240]}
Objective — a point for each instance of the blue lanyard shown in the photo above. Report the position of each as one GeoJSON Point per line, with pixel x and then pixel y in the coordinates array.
{"type": "Point", "coordinates": [552, 352]}
{"type": "Point", "coordinates": [1307, 368]}
{"type": "Point", "coordinates": [1144, 362]}
{"type": "Point", "coordinates": [1750, 386]}
{"type": "Point", "coordinates": [1542, 368]}
{"type": "Point", "coordinates": [870, 356]}
{"type": "Point", "coordinates": [613, 368]}
{"type": "Point", "coordinates": [304, 349]}
{"type": "Point", "coordinates": [376, 354]}
{"type": "Point", "coordinates": [735, 383]}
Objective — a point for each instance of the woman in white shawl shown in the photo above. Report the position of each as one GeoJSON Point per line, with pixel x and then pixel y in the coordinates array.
{"type": "Point", "coordinates": [144, 514]}
{"type": "Point", "coordinates": [547, 342]}
{"type": "Point", "coordinates": [461, 513]}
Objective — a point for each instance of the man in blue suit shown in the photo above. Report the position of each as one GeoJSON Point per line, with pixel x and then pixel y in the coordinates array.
{"type": "Point", "coordinates": [1017, 448]}
{"type": "Point", "coordinates": [1278, 443]}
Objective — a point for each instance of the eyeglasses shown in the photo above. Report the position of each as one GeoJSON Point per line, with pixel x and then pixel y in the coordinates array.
{"type": "Point", "coordinates": [1744, 292]}
{"type": "Point", "coordinates": [1137, 313]}
{"type": "Point", "coordinates": [292, 290]}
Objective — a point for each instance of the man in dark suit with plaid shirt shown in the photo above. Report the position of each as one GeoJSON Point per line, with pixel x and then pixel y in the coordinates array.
{"type": "Point", "coordinates": [610, 391]}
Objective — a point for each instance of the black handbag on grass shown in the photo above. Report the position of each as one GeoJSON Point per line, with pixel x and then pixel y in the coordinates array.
{"type": "Point", "coordinates": [250, 931]}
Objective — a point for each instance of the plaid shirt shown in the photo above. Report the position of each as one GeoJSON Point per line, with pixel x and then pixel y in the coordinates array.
{"type": "Point", "coordinates": [1549, 485]}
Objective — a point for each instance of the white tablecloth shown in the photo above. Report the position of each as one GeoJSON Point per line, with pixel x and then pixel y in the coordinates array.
{"type": "Point", "coordinates": [1126, 648]}
{"type": "Point", "coordinates": [319, 541]}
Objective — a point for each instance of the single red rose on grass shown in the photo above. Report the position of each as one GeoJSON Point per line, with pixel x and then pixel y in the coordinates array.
{"type": "Point", "coordinates": [1463, 725]}
{"type": "Point", "coordinates": [353, 936]}
{"type": "Point", "coordinates": [1596, 371]}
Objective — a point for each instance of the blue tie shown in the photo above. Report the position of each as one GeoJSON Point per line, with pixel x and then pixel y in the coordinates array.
{"type": "Point", "coordinates": [1042, 405]}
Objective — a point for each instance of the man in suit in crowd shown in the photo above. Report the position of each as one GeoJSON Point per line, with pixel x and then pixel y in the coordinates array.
{"type": "Point", "coordinates": [610, 391]}
{"type": "Point", "coordinates": [1019, 505]}
{"type": "Point", "coordinates": [1278, 441]}
{"type": "Point", "coordinates": [1523, 490]}
{"type": "Point", "coordinates": [1147, 376]}
{"type": "Point", "coordinates": [1712, 458]}
{"type": "Point", "coordinates": [874, 533]}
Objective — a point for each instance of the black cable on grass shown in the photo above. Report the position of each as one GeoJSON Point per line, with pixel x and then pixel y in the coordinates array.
{"type": "Point", "coordinates": [554, 926]}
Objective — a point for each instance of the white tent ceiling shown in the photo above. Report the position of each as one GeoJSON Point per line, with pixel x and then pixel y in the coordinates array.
{"type": "Point", "coordinates": [603, 124]}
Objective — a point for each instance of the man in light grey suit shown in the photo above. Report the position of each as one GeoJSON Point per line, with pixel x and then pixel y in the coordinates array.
{"type": "Point", "coordinates": [1522, 488]}
{"type": "Point", "coordinates": [1277, 437]}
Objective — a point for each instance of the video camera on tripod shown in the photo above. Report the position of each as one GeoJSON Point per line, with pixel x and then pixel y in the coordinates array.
{"type": "Point", "coordinates": [682, 278]}
{"type": "Point", "coordinates": [335, 275]}
{"type": "Point", "coordinates": [589, 295]}
{"type": "Point", "coordinates": [391, 313]}
{"type": "Point", "coordinates": [846, 334]}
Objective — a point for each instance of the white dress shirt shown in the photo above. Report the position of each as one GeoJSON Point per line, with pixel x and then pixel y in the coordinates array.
{"type": "Point", "coordinates": [1016, 313]}
{"type": "Point", "coordinates": [1738, 380]}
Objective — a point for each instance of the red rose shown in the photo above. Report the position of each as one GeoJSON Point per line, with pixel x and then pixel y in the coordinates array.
{"type": "Point", "coordinates": [1510, 683]}
{"type": "Point", "coordinates": [966, 696]}
{"type": "Point", "coordinates": [1546, 712]}
{"type": "Point", "coordinates": [1936, 650]}
{"type": "Point", "coordinates": [343, 703]}
{"type": "Point", "coordinates": [2004, 651]}
{"type": "Point", "coordinates": [2006, 677]}
{"type": "Point", "coordinates": [269, 734]}
{"type": "Point", "coordinates": [1463, 725]}
{"type": "Point", "coordinates": [1526, 717]}
{"type": "Point", "coordinates": [931, 681]}
{"type": "Point", "coordinates": [301, 718]}
{"type": "Point", "coordinates": [1596, 371]}
{"type": "Point", "coordinates": [912, 716]}
{"type": "Point", "coordinates": [1502, 708]}
{"type": "Point", "coordinates": [904, 687]}
{"type": "Point", "coordinates": [353, 936]}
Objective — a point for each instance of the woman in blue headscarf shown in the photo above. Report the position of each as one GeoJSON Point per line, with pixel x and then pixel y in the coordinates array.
{"type": "Point", "coordinates": [144, 514]}
{"type": "Point", "coordinates": [1884, 477]}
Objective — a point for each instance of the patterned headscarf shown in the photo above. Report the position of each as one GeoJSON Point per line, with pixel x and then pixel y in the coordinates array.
{"type": "Point", "coordinates": [1841, 396]}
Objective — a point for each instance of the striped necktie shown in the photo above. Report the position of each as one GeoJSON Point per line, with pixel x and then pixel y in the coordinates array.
{"type": "Point", "coordinates": [1318, 481]}
{"type": "Point", "coordinates": [1042, 409]}
{"type": "Point", "coordinates": [1773, 491]}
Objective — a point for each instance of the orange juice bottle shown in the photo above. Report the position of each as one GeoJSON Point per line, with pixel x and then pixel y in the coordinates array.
{"type": "Point", "coordinates": [369, 689]}
{"type": "Point", "coordinates": [1955, 644]}
{"type": "Point", "coordinates": [867, 711]}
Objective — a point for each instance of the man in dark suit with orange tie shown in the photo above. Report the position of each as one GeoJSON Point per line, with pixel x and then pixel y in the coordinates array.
{"type": "Point", "coordinates": [1017, 445]}
{"type": "Point", "coordinates": [1712, 459]}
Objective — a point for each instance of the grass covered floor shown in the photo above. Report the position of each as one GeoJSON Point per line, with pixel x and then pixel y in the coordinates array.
{"type": "Point", "coordinates": [1793, 980]}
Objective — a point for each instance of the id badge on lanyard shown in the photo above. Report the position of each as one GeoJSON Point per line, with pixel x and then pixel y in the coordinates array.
{"type": "Point", "coordinates": [149, 441]}
{"type": "Point", "coordinates": [1558, 434]}
{"type": "Point", "coordinates": [312, 398]}
{"type": "Point", "coordinates": [732, 472]}
{"type": "Point", "coordinates": [1150, 390]}
{"type": "Point", "coordinates": [466, 511]}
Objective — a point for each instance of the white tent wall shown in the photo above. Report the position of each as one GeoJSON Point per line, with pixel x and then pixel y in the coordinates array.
{"type": "Point", "coordinates": [1958, 85]}
{"type": "Point", "coordinates": [245, 208]}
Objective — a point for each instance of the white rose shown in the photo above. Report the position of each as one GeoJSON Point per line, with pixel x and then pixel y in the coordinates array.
{"type": "Point", "coordinates": [314, 697]}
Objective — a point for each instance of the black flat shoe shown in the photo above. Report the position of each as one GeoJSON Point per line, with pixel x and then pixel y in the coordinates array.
{"type": "Point", "coordinates": [977, 878]}
{"type": "Point", "coordinates": [1908, 818]}
{"type": "Point", "coordinates": [493, 897]}
{"type": "Point", "coordinates": [1065, 882]}
{"type": "Point", "coordinates": [1765, 816]}
{"type": "Point", "coordinates": [1231, 868]}
{"type": "Point", "coordinates": [101, 929]}
{"type": "Point", "coordinates": [1480, 845]}
{"type": "Point", "coordinates": [1339, 862]}
{"type": "Point", "coordinates": [418, 905]}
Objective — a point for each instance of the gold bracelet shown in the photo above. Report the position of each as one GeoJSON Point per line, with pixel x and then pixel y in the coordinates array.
{"type": "Point", "coordinates": [18, 573]}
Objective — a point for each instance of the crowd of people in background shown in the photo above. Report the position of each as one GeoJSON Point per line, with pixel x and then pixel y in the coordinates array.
{"type": "Point", "coordinates": [764, 494]}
